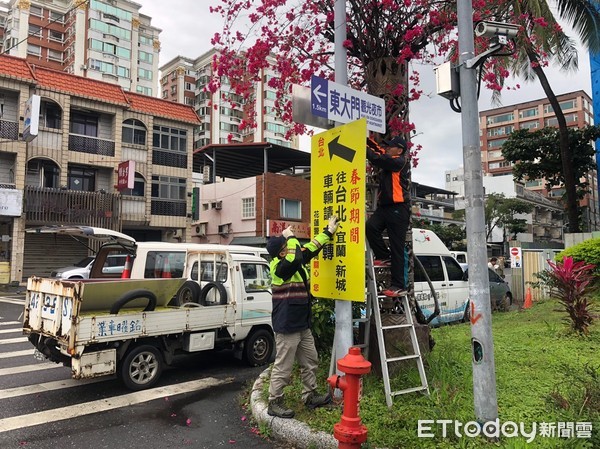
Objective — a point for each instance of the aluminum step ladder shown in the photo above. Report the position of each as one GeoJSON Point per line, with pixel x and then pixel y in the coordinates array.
{"type": "Point", "coordinates": [373, 302]}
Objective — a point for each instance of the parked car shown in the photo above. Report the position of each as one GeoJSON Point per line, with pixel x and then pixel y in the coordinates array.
{"type": "Point", "coordinates": [500, 294]}
{"type": "Point", "coordinates": [461, 258]}
{"type": "Point", "coordinates": [80, 270]}
{"type": "Point", "coordinates": [114, 264]}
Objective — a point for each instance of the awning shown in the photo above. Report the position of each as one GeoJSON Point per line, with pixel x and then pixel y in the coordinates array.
{"type": "Point", "coordinates": [249, 241]}
{"type": "Point", "coordinates": [245, 160]}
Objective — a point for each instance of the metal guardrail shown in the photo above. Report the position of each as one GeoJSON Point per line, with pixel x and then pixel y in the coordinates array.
{"type": "Point", "coordinates": [58, 206]}
{"type": "Point", "coordinates": [91, 145]}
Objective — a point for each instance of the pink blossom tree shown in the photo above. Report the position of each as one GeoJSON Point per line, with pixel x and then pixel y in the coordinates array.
{"type": "Point", "coordinates": [383, 36]}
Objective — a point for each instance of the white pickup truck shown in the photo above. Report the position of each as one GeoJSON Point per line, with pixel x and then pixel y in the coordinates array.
{"type": "Point", "coordinates": [134, 327]}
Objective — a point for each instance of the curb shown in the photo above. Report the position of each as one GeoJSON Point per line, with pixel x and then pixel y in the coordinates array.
{"type": "Point", "coordinates": [290, 430]}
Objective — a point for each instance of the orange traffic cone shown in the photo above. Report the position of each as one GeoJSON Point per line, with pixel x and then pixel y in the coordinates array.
{"type": "Point", "coordinates": [127, 269]}
{"type": "Point", "coordinates": [166, 273]}
{"type": "Point", "coordinates": [528, 302]}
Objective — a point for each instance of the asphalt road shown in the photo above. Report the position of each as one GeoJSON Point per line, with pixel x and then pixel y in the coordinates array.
{"type": "Point", "coordinates": [197, 404]}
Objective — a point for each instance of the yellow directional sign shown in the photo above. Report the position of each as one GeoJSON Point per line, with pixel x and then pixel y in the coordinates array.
{"type": "Point", "coordinates": [338, 160]}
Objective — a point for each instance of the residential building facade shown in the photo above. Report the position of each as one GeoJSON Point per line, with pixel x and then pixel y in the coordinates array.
{"type": "Point", "coordinates": [90, 134]}
{"type": "Point", "coordinates": [186, 80]}
{"type": "Point", "coordinates": [495, 125]}
{"type": "Point", "coordinates": [544, 224]}
{"type": "Point", "coordinates": [249, 210]}
{"type": "Point", "coordinates": [104, 40]}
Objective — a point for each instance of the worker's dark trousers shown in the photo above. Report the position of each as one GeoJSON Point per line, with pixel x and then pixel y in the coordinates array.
{"type": "Point", "coordinates": [395, 219]}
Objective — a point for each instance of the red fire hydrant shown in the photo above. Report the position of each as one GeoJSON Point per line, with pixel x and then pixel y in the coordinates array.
{"type": "Point", "coordinates": [350, 432]}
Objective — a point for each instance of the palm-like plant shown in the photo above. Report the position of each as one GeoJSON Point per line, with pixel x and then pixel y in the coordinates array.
{"type": "Point", "coordinates": [572, 281]}
{"type": "Point", "coordinates": [542, 40]}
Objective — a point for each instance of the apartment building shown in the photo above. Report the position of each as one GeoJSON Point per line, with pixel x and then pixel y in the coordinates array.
{"type": "Point", "coordinates": [245, 203]}
{"type": "Point", "coordinates": [101, 156]}
{"type": "Point", "coordinates": [186, 80]}
{"type": "Point", "coordinates": [107, 40]}
{"type": "Point", "coordinates": [496, 124]}
{"type": "Point", "coordinates": [544, 224]}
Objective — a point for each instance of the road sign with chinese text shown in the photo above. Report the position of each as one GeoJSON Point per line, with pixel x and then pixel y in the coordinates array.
{"type": "Point", "coordinates": [338, 160]}
{"type": "Point", "coordinates": [343, 104]}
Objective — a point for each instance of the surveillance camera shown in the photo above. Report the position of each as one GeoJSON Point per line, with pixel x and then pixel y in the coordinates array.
{"type": "Point", "coordinates": [496, 29]}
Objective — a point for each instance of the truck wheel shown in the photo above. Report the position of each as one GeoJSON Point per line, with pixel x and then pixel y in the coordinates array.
{"type": "Point", "coordinates": [258, 347]}
{"type": "Point", "coordinates": [141, 368]}
{"type": "Point", "coordinates": [135, 294]}
{"type": "Point", "coordinates": [220, 294]}
{"type": "Point", "coordinates": [188, 293]}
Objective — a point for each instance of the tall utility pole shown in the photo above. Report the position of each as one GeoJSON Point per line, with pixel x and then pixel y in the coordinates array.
{"type": "Point", "coordinates": [482, 343]}
{"type": "Point", "coordinates": [343, 309]}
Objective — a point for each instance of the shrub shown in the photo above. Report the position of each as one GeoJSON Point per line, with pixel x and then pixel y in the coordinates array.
{"type": "Point", "coordinates": [323, 324]}
{"type": "Point", "coordinates": [572, 286]}
{"type": "Point", "coordinates": [588, 252]}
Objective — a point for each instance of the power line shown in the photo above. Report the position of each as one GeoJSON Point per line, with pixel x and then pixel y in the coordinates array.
{"type": "Point", "coordinates": [45, 27]}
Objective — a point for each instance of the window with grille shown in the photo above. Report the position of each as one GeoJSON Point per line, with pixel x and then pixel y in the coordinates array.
{"type": "Point", "coordinates": [248, 208]}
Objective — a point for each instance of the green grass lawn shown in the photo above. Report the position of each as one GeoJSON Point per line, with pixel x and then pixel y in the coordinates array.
{"type": "Point", "coordinates": [544, 374]}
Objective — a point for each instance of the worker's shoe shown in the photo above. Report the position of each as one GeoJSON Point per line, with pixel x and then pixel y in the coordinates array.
{"type": "Point", "coordinates": [315, 400]}
{"type": "Point", "coordinates": [276, 408]}
{"type": "Point", "coordinates": [394, 292]}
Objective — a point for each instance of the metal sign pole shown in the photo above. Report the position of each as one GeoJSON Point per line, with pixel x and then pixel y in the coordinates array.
{"type": "Point", "coordinates": [343, 309]}
{"type": "Point", "coordinates": [484, 376]}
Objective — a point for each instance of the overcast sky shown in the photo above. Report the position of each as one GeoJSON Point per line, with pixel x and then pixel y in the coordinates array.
{"type": "Point", "coordinates": [187, 27]}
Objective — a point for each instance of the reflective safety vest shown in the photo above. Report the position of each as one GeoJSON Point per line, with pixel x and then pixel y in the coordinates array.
{"type": "Point", "coordinates": [291, 294]}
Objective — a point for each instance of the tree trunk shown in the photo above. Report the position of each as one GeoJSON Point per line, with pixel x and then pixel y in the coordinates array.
{"type": "Point", "coordinates": [572, 205]}
{"type": "Point", "coordinates": [382, 77]}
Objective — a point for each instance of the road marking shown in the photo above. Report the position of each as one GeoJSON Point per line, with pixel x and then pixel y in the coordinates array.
{"type": "Point", "coordinates": [7, 323]}
{"type": "Point", "coordinates": [29, 368]}
{"type": "Point", "coordinates": [13, 340]}
{"type": "Point", "coordinates": [19, 302]}
{"type": "Point", "coordinates": [8, 331]}
{"type": "Point", "coordinates": [49, 386]}
{"type": "Point", "coordinates": [102, 405]}
{"type": "Point", "coordinates": [8, 355]}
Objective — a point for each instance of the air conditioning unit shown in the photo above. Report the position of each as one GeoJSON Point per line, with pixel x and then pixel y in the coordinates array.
{"type": "Point", "coordinates": [84, 67]}
{"type": "Point", "coordinates": [225, 229]}
{"type": "Point", "coordinates": [219, 205]}
{"type": "Point", "coordinates": [176, 233]}
{"type": "Point", "coordinates": [199, 230]}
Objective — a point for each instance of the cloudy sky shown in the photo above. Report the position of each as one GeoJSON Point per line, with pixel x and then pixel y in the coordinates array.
{"type": "Point", "coordinates": [187, 27]}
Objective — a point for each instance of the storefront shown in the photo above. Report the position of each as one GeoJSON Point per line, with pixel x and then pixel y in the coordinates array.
{"type": "Point", "coordinates": [11, 208]}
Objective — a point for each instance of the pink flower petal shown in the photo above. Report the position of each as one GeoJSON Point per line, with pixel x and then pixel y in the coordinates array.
{"type": "Point", "coordinates": [188, 422]}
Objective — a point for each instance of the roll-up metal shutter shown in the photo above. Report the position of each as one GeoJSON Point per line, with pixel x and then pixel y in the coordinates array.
{"type": "Point", "coordinates": [44, 253]}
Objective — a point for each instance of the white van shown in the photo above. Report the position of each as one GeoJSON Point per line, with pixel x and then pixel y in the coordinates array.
{"type": "Point", "coordinates": [445, 274]}
{"type": "Point", "coordinates": [462, 258]}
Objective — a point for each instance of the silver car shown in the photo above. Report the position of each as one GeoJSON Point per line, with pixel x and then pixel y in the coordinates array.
{"type": "Point", "coordinates": [80, 270]}
{"type": "Point", "coordinates": [115, 263]}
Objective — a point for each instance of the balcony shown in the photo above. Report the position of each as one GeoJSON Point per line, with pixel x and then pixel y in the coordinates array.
{"type": "Point", "coordinates": [9, 130]}
{"type": "Point", "coordinates": [91, 145]}
{"type": "Point", "coordinates": [169, 158]}
{"type": "Point", "coordinates": [170, 208]}
{"type": "Point", "coordinates": [70, 207]}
